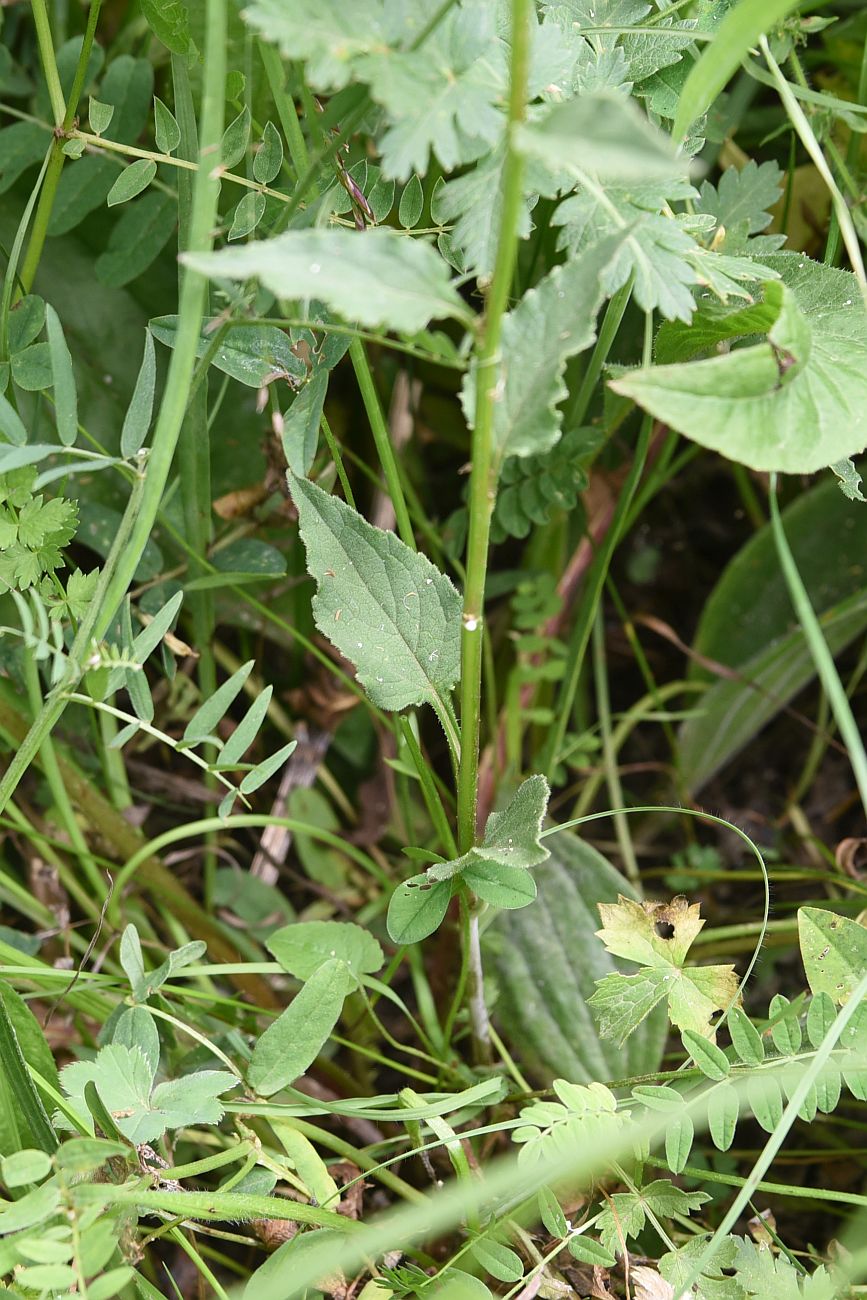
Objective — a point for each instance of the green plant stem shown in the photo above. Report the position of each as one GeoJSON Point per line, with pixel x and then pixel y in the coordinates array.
{"type": "Point", "coordinates": [64, 118]}
{"type": "Point", "coordinates": [331, 443]}
{"type": "Point", "coordinates": [609, 754]}
{"type": "Point", "coordinates": [194, 448]}
{"type": "Point", "coordinates": [832, 247]}
{"type": "Point", "coordinates": [821, 655]}
{"type": "Point", "coordinates": [430, 794]}
{"type": "Point", "coordinates": [49, 63]}
{"type": "Point", "coordinates": [143, 508]}
{"type": "Point", "coordinates": [483, 476]}
{"type": "Point", "coordinates": [50, 767]}
{"type": "Point", "coordinates": [808, 139]}
{"type": "Point", "coordinates": [581, 632]}
{"type": "Point", "coordinates": [381, 439]}
{"type": "Point", "coordinates": [285, 106]}
{"type": "Point", "coordinates": [611, 321]}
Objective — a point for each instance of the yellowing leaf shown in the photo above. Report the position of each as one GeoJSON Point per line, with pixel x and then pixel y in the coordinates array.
{"type": "Point", "coordinates": [658, 937]}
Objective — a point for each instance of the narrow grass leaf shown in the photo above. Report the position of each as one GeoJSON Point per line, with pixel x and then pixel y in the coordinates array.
{"type": "Point", "coordinates": [735, 37]}
{"type": "Point", "coordinates": [137, 420]}
{"type": "Point", "coordinates": [65, 398]}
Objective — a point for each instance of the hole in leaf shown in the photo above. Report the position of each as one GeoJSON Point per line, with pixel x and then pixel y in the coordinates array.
{"type": "Point", "coordinates": [664, 929]}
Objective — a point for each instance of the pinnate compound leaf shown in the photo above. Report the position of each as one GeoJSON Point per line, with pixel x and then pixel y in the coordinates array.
{"type": "Point", "coordinates": [588, 1251]}
{"type": "Point", "coordinates": [236, 137]}
{"type": "Point", "coordinates": [204, 721]}
{"type": "Point", "coordinates": [658, 936]}
{"type": "Point", "coordinates": [833, 950]}
{"type": "Point", "coordinates": [723, 1109]}
{"type": "Point", "coordinates": [380, 278]}
{"type": "Point", "coordinates": [710, 1059]}
{"type": "Point", "coordinates": [291, 1044]}
{"type": "Point", "coordinates": [100, 115]}
{"type": "Point", "coordinates": [137, 239]}
{"type": "Point", "coordinates": [132, 180]}
{"type": "Point", "coordinates": [794, 403]}
{"type": "Point", "coordinates": [247, 215]}
{"type": "Point", "coordinates": [746, 1039]}
{"type": "Point", "coordinates": [305, 946]}
{"type": "Point", "coordinates": [553, 321]}
{"type": "Point", "coordinates": [384, 606]}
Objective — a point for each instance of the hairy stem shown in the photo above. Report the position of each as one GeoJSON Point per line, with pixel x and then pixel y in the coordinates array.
{"type": "Point", "coordinates": [484, 470]}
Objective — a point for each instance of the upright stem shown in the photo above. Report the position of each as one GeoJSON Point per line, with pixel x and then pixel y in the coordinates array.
{"type": "Point", "coordinates": [142, 510]}
{"type": "Point", "coordinates": [483, 478]}
{"type": "Point", "coordinates": [64, 118]}
{"type": "Point", "coordinates": [382, 440]}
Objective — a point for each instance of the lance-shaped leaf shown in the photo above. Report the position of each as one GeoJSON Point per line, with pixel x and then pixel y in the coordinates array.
{"type": "Point", "coordinates": [793, 403]}
{"type": "Point", "coordinates": [554, 321]}
{"type": "Point", "coordinates": [380, 279]}
{"type": "Point", "coordinates": [384, 606]}
{"type": "Point", "coordinates": [658, 937]}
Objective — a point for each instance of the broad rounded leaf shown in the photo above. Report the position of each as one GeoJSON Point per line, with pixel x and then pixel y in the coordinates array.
{"type": "Point", "coordinates": [834, 951]}
{"type": "Point", "coordinates": [305, 946]}
{"type": "Point", "coordinates": [794, 403]}
{"type": "Point", "coordinates": [417, 909]}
